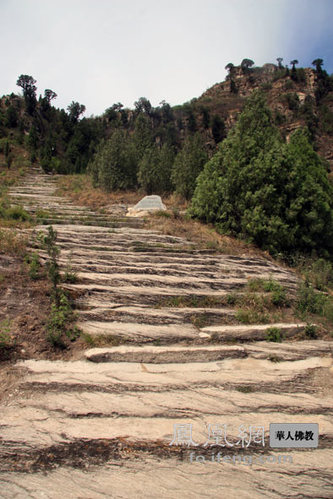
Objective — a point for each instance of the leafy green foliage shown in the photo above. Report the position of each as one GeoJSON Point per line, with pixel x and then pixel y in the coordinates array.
{"type": "Point", "coordinates": [310, 301]}
{"type": "Point", "coordinates": [115, 163]}
{"type": "Point", "coordinates": [274, 194]}
{"type": "Point", "coordinates": [320, 274]}
{"type": "Point", "coordinates": [48, 243]}
{"type": "Point", "coordinates": [154, 173]}
{"type": "Point", "coordinates": [32, 260]}
{"type": "Point", "coordinates": [187, 166]}
{"type": "Point", "coordinates": [6, 340]}
{"type": "Point", "coordinates": [274, 334]}
{"type": "Point", "coordinates": [310, 331]}
{"type": "Point", "coordinates": [218, 129]}
{"type": "Point", "coordinates": [60, 318]}
{"type": "Point", "coordinates": [27, 83]}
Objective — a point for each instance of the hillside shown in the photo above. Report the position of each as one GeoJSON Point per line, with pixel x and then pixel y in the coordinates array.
{"type": "Point", "coordinates": [303, 97]}
{"type": "Point", "coordinates": [295, 101]}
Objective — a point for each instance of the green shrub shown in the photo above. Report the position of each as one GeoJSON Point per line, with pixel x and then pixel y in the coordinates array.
{"type": "Point", "coordinates": [279, 298]}
{"type": "Point", "coordinates": [310, 331]}
{"type": "Point", "coordinates": [70, 275]}
{"type": "Point", "coordinates": [15, 213]}
{"type": "Point", "coordinates": [60, 318]}
{"type": "Point", "coordinates": [255, 284]}
{"type": "Point", "coordinates": [320, 274]}
{"type": "Point", "coordinates": [252, 316]}
{"type": "Point", "coordinates": [258, 187]}
{"type": "Point", "coordinates": [33, 263]}
{"type": "Point", "coordinates": [6, 341]}
{"type": "Point", "coordinates": [289, 85]}
{"type": "Point", "coordinates": [309, 300]}
{"type": "Point", "coordinates": [274, 334]}
{"type": "Point", "coordinates": [328, 310]}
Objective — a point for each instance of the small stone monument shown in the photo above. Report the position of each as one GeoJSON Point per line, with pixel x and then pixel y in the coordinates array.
{"type": "Point", "coordinates": [147, 205]}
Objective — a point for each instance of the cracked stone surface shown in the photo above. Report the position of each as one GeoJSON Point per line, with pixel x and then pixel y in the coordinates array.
{"type": "Point", "coordinates": [101, 425]}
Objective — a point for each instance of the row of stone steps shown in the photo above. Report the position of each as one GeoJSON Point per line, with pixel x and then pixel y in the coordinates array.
{"type": "Point", "coordinates": [185, 361]}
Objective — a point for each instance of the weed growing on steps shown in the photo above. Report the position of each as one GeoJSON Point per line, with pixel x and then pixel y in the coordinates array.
{"type": "Point", "coordinates": [32, 260]}
{"type": "Point", "coordinates": [6, 341]}
{"type": "Point", "coordinates": [62, 316]}
{"type": "Point", "coordinates": [310, 331]}
{"type": "Point", "coordinates": [274, 334]}
{"type": "Point", "coordinates": [70, 274]}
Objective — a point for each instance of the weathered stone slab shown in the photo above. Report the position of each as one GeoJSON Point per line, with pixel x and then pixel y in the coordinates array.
{"type": "Point", "coordinates": [146, 205]}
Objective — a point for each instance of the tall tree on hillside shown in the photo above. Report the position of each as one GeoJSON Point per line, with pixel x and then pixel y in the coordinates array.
{"type": "Point", "coordinates": [114, 165]}
{"type": "Point", "coordinates": [246, 65]}
{"type": "Point", "coordinates": [293, 69]}
{"type": "Point", "coordinates": [279, 60]}
{"type": "Point", "coordinates": [49, 95]}
{"type": "Point", "coordinates": [143, 105]}
{"type": "Point", "coordinates": [318, 63]}
{"type": "Point", "coordinates": [274, 194]}
{"type": "Point", "coordinates": [218, 128]}
{"type": "Point", "coordinates": [143, 137]}
{"type": "Point", "coordinates": [187, 166]}
{"type": "Point", "coordinates": [154, 173]}
{"type": "Point", "coordinates": [27, 83]}
{"type": "Point", "coordinates": [75, 109]}
{"type": "Point", "coordinates": [229, 67]}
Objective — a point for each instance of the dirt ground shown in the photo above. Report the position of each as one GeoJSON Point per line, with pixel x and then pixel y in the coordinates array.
{"type": "Point", "coordinates": [24, 310]}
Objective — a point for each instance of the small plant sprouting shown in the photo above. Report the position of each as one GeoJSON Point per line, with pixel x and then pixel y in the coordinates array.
{"type": "Point", "coordinates": [310, 331]}
{"type": "Point", "coordinates": [274, 334]}
{"type": "Point", "coordinates": [6, 341]}
{"type": "Point", "coordinates": [32, 260]}
{"type": "Point", "coordinates": [62, 316]}
{"type": "Point", "coordinates": [70, 275]}
{"type": "Point", "coordinates": [48, 243]}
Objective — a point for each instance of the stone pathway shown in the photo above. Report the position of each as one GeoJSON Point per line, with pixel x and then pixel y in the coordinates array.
{"type": "Point", "coordinates": [101, 425]}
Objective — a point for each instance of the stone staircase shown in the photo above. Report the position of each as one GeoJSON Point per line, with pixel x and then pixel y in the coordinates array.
{"type": "Point", "coordinates": [101, 424]}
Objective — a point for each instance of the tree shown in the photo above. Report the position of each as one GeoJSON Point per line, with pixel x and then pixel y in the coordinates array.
{"type": "Point", "coordinates": [246, 64]}
{"type": "Point", "coordinates": [27, 83]}
{"type": "Point", "coordinates": [218, 128]}
{"type": "Point", "coordinates": [11, 117]}
{"type": "Point", "coordinates": [229, 67]}
{"type": "Point", "coordinates": [143, 135]}
{"type": "Point", "coordinates": [143, 105]}
{"type": "Point", "coordinates": [75, 110]}
{"type": "Point", "coordinates": [49, 95]}
{"type": "Point", "coordinates": [274, 194]}
{"type": "Point", "coordinates": [187, 166]}
{"type": "Point", "coordinates": [154, 173]}
{"type": "Point", "coordinates": [167, 113]}
{"type": "Point", "coordinates": [114, 165]}
{"type": "Point", "coordinates": [205, 117]}
{"type": "Point", "coordinates": [318, 63]}
{"type": "Point", "coordinates": [293, 69]}
{"type": "Point", "coordinates": [279, 60]}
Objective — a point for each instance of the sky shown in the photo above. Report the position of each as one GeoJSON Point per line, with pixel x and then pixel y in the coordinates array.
{"type": "Point", "coordinates": [100, 52]}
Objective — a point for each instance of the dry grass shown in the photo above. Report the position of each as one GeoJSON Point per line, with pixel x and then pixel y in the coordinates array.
{"type": "Point", "coordinates": [80, 190]}
{"type": "Point", "coordinates": [12, 243]}
{"type": "Point", "coordinates": [204, 236]}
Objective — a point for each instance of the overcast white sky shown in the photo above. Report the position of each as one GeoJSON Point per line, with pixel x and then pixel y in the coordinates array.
{"type": "Point", "coordinates": [99, 52]}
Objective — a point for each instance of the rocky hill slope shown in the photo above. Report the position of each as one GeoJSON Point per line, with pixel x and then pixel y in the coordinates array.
{"type": "Point", "coordinates": [296, 99]}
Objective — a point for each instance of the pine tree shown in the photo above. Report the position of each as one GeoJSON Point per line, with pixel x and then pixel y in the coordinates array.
{"type": "Point", "coordinates": [188, 164]}
{"type": "Point", "coordinates": [274, 194]}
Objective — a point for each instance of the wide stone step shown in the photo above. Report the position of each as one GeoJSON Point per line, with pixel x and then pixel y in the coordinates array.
{"type": "Point", "coordinates": [252, 332]}
{"type": "Point", "coordinates": [277, 352]}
